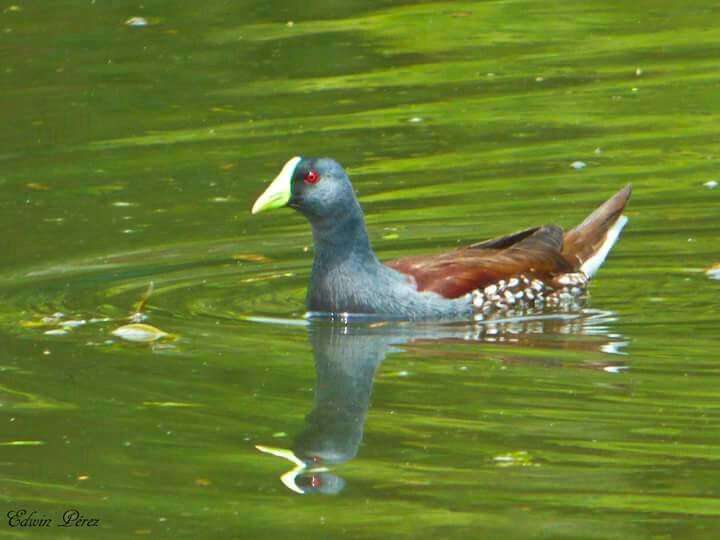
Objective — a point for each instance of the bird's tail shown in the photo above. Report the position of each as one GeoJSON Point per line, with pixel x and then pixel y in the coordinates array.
{"type": "Point", "coordinates": [587, 245]}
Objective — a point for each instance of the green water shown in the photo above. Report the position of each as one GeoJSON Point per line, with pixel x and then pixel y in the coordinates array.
{"type": "Point", "coordinates": [132, 155]}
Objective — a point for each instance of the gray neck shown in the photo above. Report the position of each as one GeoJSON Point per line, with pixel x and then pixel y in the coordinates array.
{"type": "Point", "coordinates": [340, 237]}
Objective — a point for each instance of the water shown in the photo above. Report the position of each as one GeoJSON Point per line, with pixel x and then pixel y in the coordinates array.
{"type": "Point", "coordinates": [133, 154]}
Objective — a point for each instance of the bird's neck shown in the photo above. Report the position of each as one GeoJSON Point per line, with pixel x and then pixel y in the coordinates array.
{"type": "Point", "coordinates": [340, 238]}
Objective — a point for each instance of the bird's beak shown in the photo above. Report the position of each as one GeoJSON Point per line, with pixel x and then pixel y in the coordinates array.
{"type": "Point", "coordinates": [279, 191]}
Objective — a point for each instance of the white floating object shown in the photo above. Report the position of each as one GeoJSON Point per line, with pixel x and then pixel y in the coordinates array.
{"type": "Point", "coordinates": [577, 165]}
{"type": "Point", "coordinates": [614, 369]}
{"type": "Point", "coordinates": [140, 333]}
{"type": "Point", "coordinates": [415, 120]}
{"type": "Point", "coordinates": [711, 184]}
{"type": "Point", "coordinates": [73, 324]}
{"type": "Point", "coordinates": [137, 22]}
{"type": "Point", "coordinates": [56, 332]}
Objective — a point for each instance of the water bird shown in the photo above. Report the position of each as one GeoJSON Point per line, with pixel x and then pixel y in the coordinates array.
{"type": "Point", "coordinates": [524, 271]}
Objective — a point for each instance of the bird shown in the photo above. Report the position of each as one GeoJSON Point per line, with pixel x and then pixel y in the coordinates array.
{"type": "Point", "coordinates": [526, 271]}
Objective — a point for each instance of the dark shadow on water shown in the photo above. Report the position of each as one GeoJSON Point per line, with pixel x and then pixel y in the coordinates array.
{"type": "Point", "coordinates": [347, 358]}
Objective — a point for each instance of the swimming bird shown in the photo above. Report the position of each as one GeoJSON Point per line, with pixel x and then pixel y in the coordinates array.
{"type": "Point", "coordinates": [526, 270]}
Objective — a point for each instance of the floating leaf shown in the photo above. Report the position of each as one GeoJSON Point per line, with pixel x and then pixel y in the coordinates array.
{"type": "Point", "coordinates": [56, 332]}
{"type": "Point", "coordinates": [73, 323]}
{"type": "Point", "coordinates": [140, 333]}
{"type": "Point", "coordinates": [137, 22]}
{"type": "Point", "coordinates": [169, 404]}
{"type": "Point", "coordinates": [515, 459]}
{"type": "Point", "coordinates": [37, 186]}
{"type": "Point", "coordinates": [33, 324]}
{"type": "Point", "coordinates": [251, 257]}
{"type": "Point", "coordinates": [22, 443]}
{"type": "Point", "coordinates": [267, 277]}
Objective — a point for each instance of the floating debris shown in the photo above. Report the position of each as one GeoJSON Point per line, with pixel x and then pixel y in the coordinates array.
{"type": "Point", "coordinates": [73, 323]}
{"type": "Point", "coordinates": [615, 369]}
{"type": "Point", "coordinates": [714, 271]}
{"type": "Point", "coordinates": [267, 277]}
{"type": "Point", "coordinates": [518, 459]}
{"type": "Point", "coordinates": [137, 22]}
{"type": "Point", "coordinates": [578, 165]}
{"type": "Point", "coordinates": [123, 204]}
{"type": "Point", "coordinates": [56, 332]}
{"type": "Point", "coordinates": [638, 71]}
{"type": "Point", "coordinates": [415, 120]}
{"type": "Point", "coordinates": [711, 184]}
{"type": "Point", "coordinates": [251, 257]}
{"type": "Point", "coordinates": [37, 186]}
{"type": "Point", "coordinates": [140, 306]}
{"type": "Point", "coordinates": [169, 404]}
{"type": "Point", "coordinates": [22, 443]}
{"type": "Point", "coordinates": [140, 333]}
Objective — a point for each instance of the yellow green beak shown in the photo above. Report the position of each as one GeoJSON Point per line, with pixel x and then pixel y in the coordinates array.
{"type": "Point", "coordinates": [279, 191]}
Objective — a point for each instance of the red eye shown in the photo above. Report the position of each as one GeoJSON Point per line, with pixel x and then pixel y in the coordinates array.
{"type": "Point", "coordinates": [311, 177]}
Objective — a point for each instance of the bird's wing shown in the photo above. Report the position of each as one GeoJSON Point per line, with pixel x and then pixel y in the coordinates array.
{"type": "Point", "coordinates": [542, 253]}
{"type": "Point", "coordinates": [534, 252]}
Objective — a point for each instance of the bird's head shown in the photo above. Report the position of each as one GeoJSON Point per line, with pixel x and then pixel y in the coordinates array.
{"type": "Point", "coordinates": [319, 188]}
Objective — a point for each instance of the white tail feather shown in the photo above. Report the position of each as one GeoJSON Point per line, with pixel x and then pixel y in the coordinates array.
{"type": "Point", "coordinates": [590, 267]}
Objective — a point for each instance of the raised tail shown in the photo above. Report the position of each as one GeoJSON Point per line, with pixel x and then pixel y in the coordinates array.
{"type": "Point", "coordinates": [586, 246]}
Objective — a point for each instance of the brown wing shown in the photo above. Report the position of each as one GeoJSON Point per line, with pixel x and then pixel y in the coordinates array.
{"type": "Point", "coordinates": [535, 252]}
{"type": "Point", "coordinates": [542, 252]}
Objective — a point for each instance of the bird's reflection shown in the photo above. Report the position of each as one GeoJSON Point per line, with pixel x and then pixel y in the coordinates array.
{"type": "Point", "coordinates": [347, 357]}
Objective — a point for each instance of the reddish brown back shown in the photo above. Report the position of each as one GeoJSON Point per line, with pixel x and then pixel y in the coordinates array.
{"type": "Point", "coordinates": [542, 252]}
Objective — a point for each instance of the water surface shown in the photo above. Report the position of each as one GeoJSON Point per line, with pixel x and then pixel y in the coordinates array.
{"type": "Point", "coordinates": [133, 154]}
